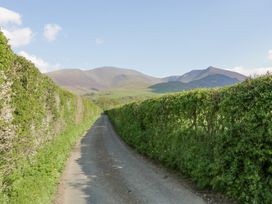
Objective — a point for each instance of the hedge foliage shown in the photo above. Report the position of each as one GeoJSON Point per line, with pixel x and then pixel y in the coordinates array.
{"type": "Point", "coordinates": [34, 115]}
{"type": "Point", "coordinates": [222, 138]}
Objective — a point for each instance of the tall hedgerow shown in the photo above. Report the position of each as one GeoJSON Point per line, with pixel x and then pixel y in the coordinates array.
{"type": "Point", "coordinates": [222, 138]}
{"type": "Point", "coordinates": [39, 122]}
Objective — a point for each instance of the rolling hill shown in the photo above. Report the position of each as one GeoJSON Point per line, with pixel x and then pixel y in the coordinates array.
{"type": "Point", "coordinates": [112, 78]}
{"type": "Point", "coordinates": [103, 78]}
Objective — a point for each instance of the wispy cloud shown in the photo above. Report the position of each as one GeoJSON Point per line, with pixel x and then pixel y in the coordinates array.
{"type": "Point", "coordinates": [51, 31]}
{"type": "Point", "coordinates": [19, 36]}
{"type": "Point", "coordinates": [10, 21]}
{"type": "Point", "coordinates": [252, 71]}
{"type": "Point", "coordinates": [7, 16]}
{"type": "Point", "coordinates": [269, 54]}
{"type": "Point", "coordinates": [39, 62]}
{"type": "Point", "coordinates": [99, 41]}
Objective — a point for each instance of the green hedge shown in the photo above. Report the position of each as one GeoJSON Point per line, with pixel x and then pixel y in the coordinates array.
{"type": "Point", "coordinates": [222, 138]}
{"type": "Point", "coordinates": [38, 124]}
{"type": "Point", "coordinates": [37, 182]}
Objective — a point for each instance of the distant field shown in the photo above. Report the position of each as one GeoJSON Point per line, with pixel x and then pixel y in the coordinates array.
{"type": "Point", "coordinates": [108, 99]}
{"type": "Point", "coordinates": [117, 93]}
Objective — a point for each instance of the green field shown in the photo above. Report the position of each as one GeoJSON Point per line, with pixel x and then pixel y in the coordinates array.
{"type": "Point", "coordinates": [111, 98]}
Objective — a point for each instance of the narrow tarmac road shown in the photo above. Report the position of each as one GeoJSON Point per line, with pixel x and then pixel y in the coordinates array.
{"type": "Point", "coordinates": [103, 170]}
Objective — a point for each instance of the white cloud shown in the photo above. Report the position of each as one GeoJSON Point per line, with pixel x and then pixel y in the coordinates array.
{"type": "Point", "coordinates": [269, 54]}
{"type": "Point", "coordinates": [99, 41]}
{"type": "Point", "coordinates": [18, 36]}
{"type": "Point", "coordinates": [39, 62]}
{"type": "Point", "coordinates": [252, 71]}
{"type": "Point", "coordinates": [51, 31]}
{"type": "Point", "coordinates": [8, 16]}
{"type": "Point", "coordinates": [9, 20]}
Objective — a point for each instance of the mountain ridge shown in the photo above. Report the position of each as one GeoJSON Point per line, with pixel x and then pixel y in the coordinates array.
{"type": "Point", "coordinates": [211, 81]}
{"type": "Point", "coordinates": [107, 77]}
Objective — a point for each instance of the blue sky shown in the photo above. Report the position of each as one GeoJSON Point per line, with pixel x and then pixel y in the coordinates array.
{"type": "Point", "coordinates": [157, 37]}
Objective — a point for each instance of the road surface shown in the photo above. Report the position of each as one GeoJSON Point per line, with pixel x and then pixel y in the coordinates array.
{"type": "Point", "coordinates": [103, 170]}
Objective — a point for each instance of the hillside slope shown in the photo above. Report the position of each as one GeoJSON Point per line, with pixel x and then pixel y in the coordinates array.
{"type": "Point", "coordinates": [38, 124]}
{"type": "Point", "coordinates": [86, 81]}
{"type": "Point", "coordinates": [112, 78]}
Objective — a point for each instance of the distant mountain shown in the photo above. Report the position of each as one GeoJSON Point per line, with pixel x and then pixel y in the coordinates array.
{"type": "Point", "coordinates": [85, 81]}
{"type": "Point", "coordinates": [199, 74]}
{"type": "Point", "coordinates": [103, 78]}
{"type": "Point", "coordinates": [210, 77]}
{"type": "Point", "coordinates": [171, 78]}
{"type": "Point", "coordinates": [217, 80]}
